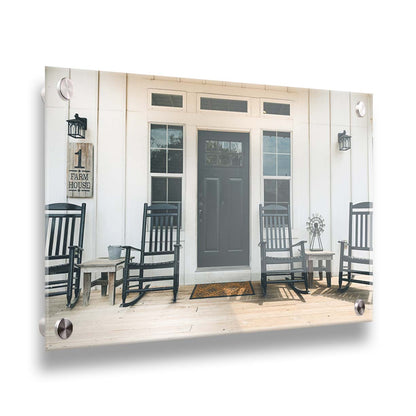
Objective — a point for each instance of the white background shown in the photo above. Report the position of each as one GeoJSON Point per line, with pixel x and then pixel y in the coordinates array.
{"type": "Point", "coordinates": [353, 45]}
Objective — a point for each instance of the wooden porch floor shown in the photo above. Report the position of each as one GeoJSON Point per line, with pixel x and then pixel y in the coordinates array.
{"type": "Point", "coordinates": [156, 317]}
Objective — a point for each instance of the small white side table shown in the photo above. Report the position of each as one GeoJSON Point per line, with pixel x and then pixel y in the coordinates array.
{"type": "Point", "coordinates": [320, 256]}
{"type": "Point", "coordinates": [105, 266]}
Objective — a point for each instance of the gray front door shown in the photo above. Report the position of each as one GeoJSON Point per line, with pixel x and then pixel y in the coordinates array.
{"type": "Point", "coordinates": [223, 198]}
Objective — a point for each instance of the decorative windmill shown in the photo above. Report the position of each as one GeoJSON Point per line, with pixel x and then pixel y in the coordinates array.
{"type": "Point", "coordinates": [315, 225]}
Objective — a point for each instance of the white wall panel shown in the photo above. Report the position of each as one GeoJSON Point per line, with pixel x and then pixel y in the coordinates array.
{"type": "Point", "coordinates": [190, 204]}
{"type": "Point", "coordinates": [359, 164]}
{"type": "Point", "coordinates": [340, 172]}
{"type": "Point", "coordinates": [300, 180]}
{"type": "Point", "coordinates": [320, 162]}
{"type": "Point", "coordinates": [359, 150]}
{"type": "Point", "coordinates": [319, 107]}
{"type": "Point", "coordinates": [111, 161]}
{"type": "Point", "coordinates": [370, 149]}
{"type": "Point", "coordinates": [137, 98]}
{"type": "Point", "coordinates": [300, 165]}
{"type": "Point", "coordinates": [56, 114]}
{"type": "Point", "coordinates": [256, 191]}
{"type": "Point", "coordinates": [136, 175]}
{"type": "Point", "coordinates": [84, 102]}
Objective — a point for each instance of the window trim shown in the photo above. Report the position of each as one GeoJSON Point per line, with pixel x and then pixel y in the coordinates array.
{"type": "Point", "coordinates": [288, 178]}
{"type": "Point", "coordinates": [167, 175]}
{"type": "Point", "coordinates": [224, 97]}
{"type": "Point", "coordinates": [150, 106]}
{"type": "Point", "coordinates": [276, 101]}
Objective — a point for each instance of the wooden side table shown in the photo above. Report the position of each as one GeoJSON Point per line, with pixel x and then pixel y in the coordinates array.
{"type": "Point", "coordinates": [320, 256]}
{"type": "Point", "coordinates": [108, 269]}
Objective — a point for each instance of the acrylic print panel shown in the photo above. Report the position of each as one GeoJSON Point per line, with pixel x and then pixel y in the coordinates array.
{"type": "Point", "coordinates": [193, 207]}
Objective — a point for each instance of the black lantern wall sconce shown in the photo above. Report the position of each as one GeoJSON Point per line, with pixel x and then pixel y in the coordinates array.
{"type": "Point", "coordinates": [344, 141]}
{"type": "Point", "coordinates": [77, 127]}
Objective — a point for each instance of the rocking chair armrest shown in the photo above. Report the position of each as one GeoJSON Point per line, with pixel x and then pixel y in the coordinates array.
{"type": "Point", "coordinates": [302, 242]}
{"type": "Point", "coordinates": [177, 245]}
{"type": "Point", "coordinates": [262, 243]}
{"type": "Point", "coordinates": [345, 242]}
{"type": "Point", "coordinates": [131, 248]}
{"type": "Point", "coordinates": [75, 248]}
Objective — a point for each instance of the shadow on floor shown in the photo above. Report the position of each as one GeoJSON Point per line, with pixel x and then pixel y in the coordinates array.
{"type": "Point", "coordinates": [355, 291]}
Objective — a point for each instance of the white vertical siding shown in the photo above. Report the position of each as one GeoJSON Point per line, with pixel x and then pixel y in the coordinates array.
{"type": "Point", "coordinates": [359, 151]}
{"type": "Point", "coordinates": [300, 165]}
{"type": "Point", "coordinates": [56, 114]}
{"type": "Point", "coordinates": [340, 171]}
{"type": "Point", "coordinates": [85, 103]}
{"type": "Point", "coordinates": [320, 160]}
{"type": "Point", "coordinates": [111, 161]}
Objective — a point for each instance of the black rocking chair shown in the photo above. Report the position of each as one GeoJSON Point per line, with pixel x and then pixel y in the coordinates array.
{"type": "Point", "coordinates": [360, 238]}
{"type": "Point", "coordinates": [276, 237]}
{"type": "Point", "coordinates": [64, 236]}
{"type": "Point", "coordinates": [161, 225]}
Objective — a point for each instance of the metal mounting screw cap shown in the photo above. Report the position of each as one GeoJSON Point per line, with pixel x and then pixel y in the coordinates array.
{"type": "Point", "coordinates": [42, 326]}
{"type": "Point", "coordinates": [65, 88]}
{"type": "Point", "coordinates": [63, 328]}
{"type": "Point", "coordinates": [359, 307]}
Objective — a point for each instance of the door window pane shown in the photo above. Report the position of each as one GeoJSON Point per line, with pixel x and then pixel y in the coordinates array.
{"type": "Point", "coordinates": [221, 153]}
{"type": "Point", "coordinates": [236, 147]}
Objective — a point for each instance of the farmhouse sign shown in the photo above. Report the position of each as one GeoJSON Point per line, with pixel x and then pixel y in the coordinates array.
{"type": "Point", "coordinates": [80, 170]}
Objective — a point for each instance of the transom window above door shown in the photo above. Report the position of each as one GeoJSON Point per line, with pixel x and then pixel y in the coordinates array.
{"type": "Point", "coordinates": [223, 104]}
{"type": "Point", "coordinates": [167, 100]}
{"type": "Point", "coordinates": [166, 148]}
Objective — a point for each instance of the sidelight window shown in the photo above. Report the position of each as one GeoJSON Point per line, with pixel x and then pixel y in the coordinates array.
{"type": "Point", "coordinates": [166, 163]}
{"type": "Point", "coordinates": [276, 167]}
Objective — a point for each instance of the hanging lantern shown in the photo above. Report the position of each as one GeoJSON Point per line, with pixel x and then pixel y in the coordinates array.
{"type": "Point", "coordinates": [77, 127]}
{"type": "Point", "coordinates": [344, 141]}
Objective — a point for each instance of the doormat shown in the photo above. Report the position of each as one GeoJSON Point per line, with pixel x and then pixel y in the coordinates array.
{"type": "Point", "coordinates": [221, 290]}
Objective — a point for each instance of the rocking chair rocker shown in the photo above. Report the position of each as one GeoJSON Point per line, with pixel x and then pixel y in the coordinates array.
{"type": "Point", "coordinates": [276, 236]}
{"type": "Point", "coordinates": [161, 224]}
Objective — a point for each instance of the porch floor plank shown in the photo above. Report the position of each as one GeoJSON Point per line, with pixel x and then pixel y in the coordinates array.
{"type": "Point", "coordinates": [156, 317]}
